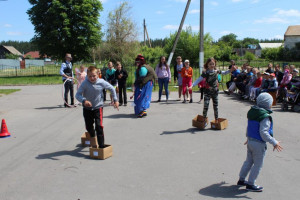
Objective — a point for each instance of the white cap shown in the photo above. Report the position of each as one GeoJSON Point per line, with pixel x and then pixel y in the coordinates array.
{"type": "Point", "coordinates": [186, 61]}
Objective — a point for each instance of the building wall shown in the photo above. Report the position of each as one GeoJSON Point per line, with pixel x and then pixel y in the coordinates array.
{"type": "Point", "coordinates": [290, 41]}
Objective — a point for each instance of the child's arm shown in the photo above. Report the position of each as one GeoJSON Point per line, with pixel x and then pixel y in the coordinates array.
{"type": "Point", "coordinates": [264, 128]}
{"type": "Point", "coordinates": [79, 93]}
{"type": "Point", "coordinates": [109, 87]}
{"type": "Point", "coordinates": [197, 81]}
{"type": "Point", "coordinates": [226, 72]}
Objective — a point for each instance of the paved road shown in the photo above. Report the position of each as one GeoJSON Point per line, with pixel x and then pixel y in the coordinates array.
{"type": "Point", "coordinates": [161, 157]}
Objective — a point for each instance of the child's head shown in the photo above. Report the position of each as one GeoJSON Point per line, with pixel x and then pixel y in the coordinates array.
{"type": "Point", "coordinates": [254, 71]}
{"type": "Point", "coordinates": [178, 59]}
{"type": "Point", "coordinates": [232, 62]}
{"type": "Point", "coordinates": [277, 67]}
{"type": "Point", "coordinates": [92, 74]}
{"type": "Point", "coordinates": [292, 67]}
{"type": "Point", "coordinates": [266, 75]}
{"type": "Point", "coordinates": [210, 64]}
{"type": "Point", "coordinates": [249, 68]}
{"type": "Point", "coordinates": [270, 65]}
{"type": "Point", "coordinates": [286, 67]}
{"type": "Point", "coordinates": [81, 68]}
{"type": "Point", "coordinates": [119, 66]}
{"type": "Point", "coordinates": [258, 75]}
{"type": "Point", "coordinates": [163, 59]}
{"type": "Point", "coordinates": [187, 63]}
{"type": "Point", "coordinates": [295, 72]}
{"type": "Point", "coordinates": [110, 65]}
{"type": "Point", "coordinates": [264, 100]}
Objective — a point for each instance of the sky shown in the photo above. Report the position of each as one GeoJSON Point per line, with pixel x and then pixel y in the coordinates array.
{"type": "Point", "coordinates": [261, 19]}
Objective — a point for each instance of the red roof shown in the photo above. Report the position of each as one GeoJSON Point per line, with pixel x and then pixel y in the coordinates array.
{"type": "Point", "coordinates": [33, 54]}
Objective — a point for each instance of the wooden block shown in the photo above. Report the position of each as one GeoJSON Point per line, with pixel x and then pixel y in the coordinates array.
{"type": "Point", "coordinates": [200, 122]}
{"type": "Point", "coordinates": [274, 95]}
{"type": "Point", "coordinates": [101, 153]}
{"type": "Point", "coordinates": [222, 124]}
{"type": "Point", "coordinates": [85, 139]}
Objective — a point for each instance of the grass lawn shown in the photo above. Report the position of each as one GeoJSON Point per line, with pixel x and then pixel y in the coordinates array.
{"type": "Point", "coordinates": [8, 91]}
{"type": "Point", "coordinates": [31, 80]}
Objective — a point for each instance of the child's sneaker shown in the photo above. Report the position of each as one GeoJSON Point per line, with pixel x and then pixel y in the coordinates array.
{"type": "Point", "coordinates": [254, 188]}
{"type": "Point", "coordinates": [191, 101]}
{"type": "Point", "coordinates": [184, 101]}
{"type": "Point", "coordinates": [242, 183]}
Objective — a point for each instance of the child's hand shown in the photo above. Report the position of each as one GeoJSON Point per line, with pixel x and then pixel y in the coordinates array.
{"type": "Point", "coordinates": [116, 105]}
{"type": "Point", "coordinates": [190, 88]}
{"type": "Point", "coordinates": [131, 97]}
{"type": "Point", "coordinates": [278, 147]}
{"type": "Point", "coordinates": [87, 104]}
{"type": "Point", "coordinates": [246, 142]}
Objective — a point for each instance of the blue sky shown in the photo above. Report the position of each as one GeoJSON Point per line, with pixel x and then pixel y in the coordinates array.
{"type": "Point", "coordinates": [262, 19]}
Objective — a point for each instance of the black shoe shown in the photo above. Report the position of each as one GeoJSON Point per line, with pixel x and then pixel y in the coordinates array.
{"type": "Point", "coordinates": [184, 101]}
{"type": "Point", "coordinates": [254, 188]}
{"type": "Point", "coordinates": [191, 101]}
{"type": "Point", "coordinates": [158, 100]}
{"type": "Point", "coordinates": [242, 183]}
{"type": "Point", "coordinates": [120, 104]}
{"type": "Point", "coordinates": [125, 104]}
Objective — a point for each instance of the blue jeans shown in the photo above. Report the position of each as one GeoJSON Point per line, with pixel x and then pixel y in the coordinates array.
{"type": "Point", "coordinates": [163, 82]}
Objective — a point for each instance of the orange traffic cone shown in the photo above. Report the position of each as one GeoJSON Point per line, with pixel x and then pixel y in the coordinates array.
{"type": "Point", "coordinates": [4, 131]}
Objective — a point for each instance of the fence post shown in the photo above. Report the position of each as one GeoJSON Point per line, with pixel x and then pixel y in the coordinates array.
{"type": "Point", "coordinates": [43, 70]}
{"type": "Point", "coordinates": [16, 71]}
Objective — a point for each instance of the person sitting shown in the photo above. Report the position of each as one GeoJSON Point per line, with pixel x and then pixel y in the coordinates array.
{"type": "Point", "coordinates": [250, 84]}
{"type": "Point", "coordinates": [278, 73]}
{"type": "Point", "coordinates": [234, 75]}
{"type": "Point", "coordinates": [269, 69]}
{"type": "Point", "coordinates": [284, 84]}
{"type": "Point", "coordinates": [256, 86]}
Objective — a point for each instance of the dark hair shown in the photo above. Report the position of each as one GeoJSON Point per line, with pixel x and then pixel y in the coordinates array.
{"type": "Point", "coordinates": [208, 61]}
{"type": "Point", "coordinates": [91, 69]}
{"type": "Point", "coordinates": [165, 63]}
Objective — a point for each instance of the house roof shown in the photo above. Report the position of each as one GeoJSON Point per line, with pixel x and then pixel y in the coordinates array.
{"type": "Point", "coordinates": [33, 54]}
{"type": "Point", "coordinates": [12, 50]}
{"type": "Point", "coordinates": [293, 31]}
{"type": "Point", "coordinates": [270, 45]}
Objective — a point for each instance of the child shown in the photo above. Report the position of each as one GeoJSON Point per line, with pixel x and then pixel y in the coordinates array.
{"type": "Point", "coordinates": [187, 75]}
{"type": "Point", "coordinates": [91, 96]}
{"type": "Point", "coordinates": [121, 75]}
{"type": "Point", "coordinates": [259, 131]}
{"type": "Point", "coordinates": [111, 78]}
{"type": "Point", "coordinates": [201, 86]}
{"type": "Point", "coordinates": [273, 84]}
{"type": "Point", "coordinates": [256, 86]}
{"type": "Point", "coordinates": [80, 75]}
{"type": "Point", "coordinates": [212, 86]}
{"type": "Point", "coordinates": [250, 84]}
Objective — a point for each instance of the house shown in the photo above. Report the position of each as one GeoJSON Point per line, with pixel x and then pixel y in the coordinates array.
{"type": "Point", "coordinates": [292, 36]}
{"type": "Point", "coordinates": [32, 55]}
{"type": "Point", "coordinates": [8, 50]}
{"type": "Point", "coordinates": [262, 46]}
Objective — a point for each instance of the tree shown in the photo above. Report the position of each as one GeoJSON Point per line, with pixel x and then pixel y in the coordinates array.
{"type": "Point", "coordinates": [230, 38]}
{"type": "Point", "coordinates": [249, 56]}
{"type": "Point", "coordinates": [121, 44]}
{"type": "Point", "coordinates": [66, 26]}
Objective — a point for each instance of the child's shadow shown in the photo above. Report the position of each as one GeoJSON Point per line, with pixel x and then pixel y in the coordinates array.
{"type": "Point", "coordinates": [190, 130]}
{"type": "Point", "coordinates": [117, 116]}
{"type": "Point", "coordinates": [53, 156]}
{"type": "Point", "coordinates": [220, 190]}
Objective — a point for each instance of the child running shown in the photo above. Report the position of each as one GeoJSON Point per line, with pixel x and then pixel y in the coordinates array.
{"type": "Point", "coordinates": [211, 87]}
{"type": "Point", "coordinates": [259, 131]}
{"type": "Point", "coordinates": [90, 94]}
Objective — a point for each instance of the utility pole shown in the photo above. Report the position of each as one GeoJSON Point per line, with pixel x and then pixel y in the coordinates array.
{"type": "Point", "coordinates": [144, 32]}
{"type": "Point", "coordinates": [179, 31]}
{"type": "Point", "coordinates": [201, 53]}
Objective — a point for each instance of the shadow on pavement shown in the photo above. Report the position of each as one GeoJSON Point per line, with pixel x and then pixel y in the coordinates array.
{"type": "Point", "coordinates": [220, 190]}
{"type": "Point", "coordinates": [53, 156]}
{"type": "Point", "coordinates": [50, 107]}
{"type": "Point", "coordinates": [190, 130]}
{"type": "Point", "coordinates": [117, 116]}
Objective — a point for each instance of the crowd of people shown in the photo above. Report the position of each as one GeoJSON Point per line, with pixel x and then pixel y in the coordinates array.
{"type": "Point", "coordinates": [250, 81]}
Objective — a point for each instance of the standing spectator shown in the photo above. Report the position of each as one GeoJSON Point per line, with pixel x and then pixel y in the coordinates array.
{"type": "Point", "coordinates": [80, 75]}
{"type": "Point", "coordinates": [111, 78]}
{"type": "Point", "coordinates": [187, 80]}
{"type": "Point", "coordinates": [67, 75]}
{"type": "Point", "coordinates": [278, 73]}
{"type": "Point", "coordinates": [163, 74]}
{"type": "Point", "coordinates": [177, 75]}
{"type": "Point", "coordinates": [270, 68]}
{"type": "Point", "coordinates": [232, 62]}
{"type": "Point", "coordinates": [122, 75]}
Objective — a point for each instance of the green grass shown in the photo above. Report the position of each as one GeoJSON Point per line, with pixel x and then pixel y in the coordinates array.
{"type": "Point", "coordinates": [31, 80]}
{"type": "Point", "coordinates": [8, 91]}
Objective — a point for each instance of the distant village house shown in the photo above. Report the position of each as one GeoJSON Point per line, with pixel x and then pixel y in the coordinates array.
{"type": "Point", "coordinates": [292, 36]}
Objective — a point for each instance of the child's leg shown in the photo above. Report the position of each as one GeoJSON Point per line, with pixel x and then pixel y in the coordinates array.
{"type": "Point", "coordinates": [89, 125]}
{"type": "Point", "coordinates": [215, 104]}
{"type": "Point", "coordinates": [99, 126]}
{"type": "Point", "coordinates": [247, 165]}
{"type": "Point", "coordinates": [201, 91]}
{"type": "Point", "coordinates": [206, 104]}
{"type": "Point", "coordinates": [166, 85]}
{"type": "Point", "coordinates": [160, 85]}
{"type": "Point", "coordinates": [179, 91]}
{"type": "Point", "coordinates": [190, 90]}
{"type": "Point", "coordinates": [183, 87]}
{"type": "Point", "coordinates": [124, 93]}
{"type": "Point", "coordinates": [258, 154]}
{"type": "Point", "coordinates": [120, 94]}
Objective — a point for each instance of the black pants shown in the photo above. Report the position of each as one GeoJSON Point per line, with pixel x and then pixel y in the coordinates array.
{"type": "Point", "coordinates": [122, 93]}
{"type": "Point", "coordinates": [202, 92]}
{"type": "Point", "coordinates": [92, 117]}
{"type": "Point", "coordinates": [69, 86]}
{"type": "Point", "coordinates": [228, 84]}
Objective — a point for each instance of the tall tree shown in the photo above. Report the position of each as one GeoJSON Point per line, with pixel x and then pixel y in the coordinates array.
{"type": "Point", "coordinates": [230, 38]}
{"type": "Point", "coordinates": [121, 44]}
{"type": "Point", "coordinates": [63, 26]}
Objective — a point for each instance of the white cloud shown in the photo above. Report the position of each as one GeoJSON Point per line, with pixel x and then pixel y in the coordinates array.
{"type": "Point", "coordinates": [14, 33]}
{"type": "Point", "coordinates": [271, 20]}
{"type": "Point", "coordinates": [194, 11]}
{"type": "Point", "coordinates": [159, 12]}
{"type": "Point", "coordinates": [214, 3]}
{"type": "Point", "coordinates": [225, 32]}
{"type": "Point", "coordinates": [7, 25]}
{"type": "Point", "coordinates": [235, 1]}
{"type": "Point", "coordinates": [288, 13]}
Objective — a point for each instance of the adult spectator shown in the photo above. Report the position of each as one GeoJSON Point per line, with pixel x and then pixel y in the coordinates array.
{"type": "Point", "coordinates": [67, 75]}
{"type": "Point", "coordinates": [163, 73]}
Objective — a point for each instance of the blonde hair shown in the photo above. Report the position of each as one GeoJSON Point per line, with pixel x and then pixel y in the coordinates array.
{"type": "Point", "coordinates": [91, 69]}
